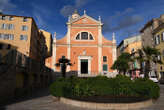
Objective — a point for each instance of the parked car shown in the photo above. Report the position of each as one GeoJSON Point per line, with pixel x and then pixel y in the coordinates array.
{"type": "Point", "coordinates": [154, 78]}
{"type": "Point", "coordinates": [161, 81]}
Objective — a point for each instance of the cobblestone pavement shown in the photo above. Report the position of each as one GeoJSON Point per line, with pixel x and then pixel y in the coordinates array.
{"type": "Point", "coordinates": [45, 102]}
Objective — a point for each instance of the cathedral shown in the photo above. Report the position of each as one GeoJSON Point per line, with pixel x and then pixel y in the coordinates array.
{"type": "Point", "coordinates": [88, 50]}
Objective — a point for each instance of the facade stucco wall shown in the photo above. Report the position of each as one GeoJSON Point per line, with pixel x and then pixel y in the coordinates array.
{"type": "Point", "coordinates": [107, 51]}
{"type": "Point", "coordinates": [93, 50]}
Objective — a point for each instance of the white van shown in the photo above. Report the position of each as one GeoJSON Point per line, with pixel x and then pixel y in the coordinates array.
{"type": "Point", "coordinates": [153, 77]}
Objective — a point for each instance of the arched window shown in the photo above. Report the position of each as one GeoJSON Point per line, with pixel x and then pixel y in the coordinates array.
{"type": "Point", "coordinates": [84, 36]}
{"type": "Point", "coordinates": [90, 37]}
{"type": "Point", "coordinates": [78, 37]}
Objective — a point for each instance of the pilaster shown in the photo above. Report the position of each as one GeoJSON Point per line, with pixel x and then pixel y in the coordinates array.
{"type": "Point", "coordinates": [54, 53]}
{"type": "Point", "coordinates": [68, 43]}
{"type": "Point", "coordinates": [99, 48]}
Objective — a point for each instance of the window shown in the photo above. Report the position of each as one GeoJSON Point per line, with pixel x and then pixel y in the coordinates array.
{"type": "Point", "coordinates": [10, 18]}
{"type": "Point", "coordinates": [162, 36]}
{"type": "Point", "coordinates": [78, 37]}
{"type": "Point", "coordinates": [6, 36]}
{"type": "Point", "coordinates": [11, 36]}
{"type": "Point", "coordinates": [1, 36]}
{"type": "Point", "coordinates": [10, 26]}
{"type": "Point", "coordinates": [133, 50]}
{"type": "Point", "coordinates": [84, 36]}
{"type": "Point", "coordinates": [7, 26]}
{"type": "Point", "coordinates": [4, 26]}
{"type": "Point", "coordinates": [104, 58]}
{"type": "Point", "coordinates": [24, 28]}
{"type": "Point", "coordinates": [157, 40]}
{"type": "Point", "coordinates": [23, 37]}
{"type": "Point", "coordinates": [105, 67]}
{"type": "Point", "coordinates": [9, 46]}
{"type": "Point", "coordinates": [3, 17]}
{"type": "Point", "coordinates": [159, 57]}
{"type": "Point", "coordinates": [25, 20]}
{"type": "Point", "coordinates": [1, 46]}
{"type": "Point", "coordinates": [90, 37]}
{"type": "Point", "coordinates": [163, 52]}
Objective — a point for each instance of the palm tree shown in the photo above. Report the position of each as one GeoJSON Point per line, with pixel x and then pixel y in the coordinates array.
{"type": "Point", "coordinates": [139, 58]}
{"type": "Point", "coordinates": [148, 55]}
{"type": "Point", "coordinates": [122, 63]}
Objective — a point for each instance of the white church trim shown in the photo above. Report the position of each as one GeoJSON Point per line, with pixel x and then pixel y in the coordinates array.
{"type": "Point", "coordinates": [89, 58]}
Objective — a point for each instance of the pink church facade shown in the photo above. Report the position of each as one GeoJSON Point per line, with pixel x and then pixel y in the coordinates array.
{"type": "Point", "coordinates": [88, 50]}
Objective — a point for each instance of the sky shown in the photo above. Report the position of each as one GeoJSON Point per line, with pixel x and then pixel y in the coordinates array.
{"type": "Point", "coordinates": [123, 17]}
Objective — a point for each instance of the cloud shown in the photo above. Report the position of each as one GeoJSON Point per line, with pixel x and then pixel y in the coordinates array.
{"type": "Point", "coordinates": [6, 5]}
{"type": "Point", "coordinates": [68, 9]}
{"type": "Point", "coordinates": [120, 14]}
{"type": "Point", "coordinates": [129, 21]}
{"type": "Point", "coordinates": [122, 20]}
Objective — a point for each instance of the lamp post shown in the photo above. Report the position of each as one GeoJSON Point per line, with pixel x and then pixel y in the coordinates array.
{"type": "Point", "coordinates": [63, 62]}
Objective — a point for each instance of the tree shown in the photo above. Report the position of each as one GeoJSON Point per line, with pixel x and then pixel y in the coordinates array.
{"type": "Point", "coordinates": [122, 63]}
{"type": "Point", "coordinates": [148, 55]}
{"type": "Point", "coordinates": [63, 62]}
{"type": "Point", "coordinates": [139, 58]}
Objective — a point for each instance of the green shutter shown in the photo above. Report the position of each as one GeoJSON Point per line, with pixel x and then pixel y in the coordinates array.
{"type": "Point", "coordinates": [105, 67]}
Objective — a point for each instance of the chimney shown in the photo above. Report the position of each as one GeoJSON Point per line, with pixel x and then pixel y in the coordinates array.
{"type": "Point", "coordinates": [155, 23]}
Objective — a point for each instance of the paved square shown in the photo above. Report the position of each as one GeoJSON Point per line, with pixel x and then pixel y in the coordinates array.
{"type": "Point", "coordinates": [43, 101]}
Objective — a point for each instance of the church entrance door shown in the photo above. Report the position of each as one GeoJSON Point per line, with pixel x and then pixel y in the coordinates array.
{"type": "Point", "coordinates": [84, 66]}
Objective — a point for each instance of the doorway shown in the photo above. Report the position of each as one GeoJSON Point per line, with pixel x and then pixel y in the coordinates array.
{"type": "Point", "coordinates": [84, 66]}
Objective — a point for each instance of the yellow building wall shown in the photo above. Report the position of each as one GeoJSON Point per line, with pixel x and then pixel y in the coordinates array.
{"type": "Point", "coordinates": [160, 67]}
{"type": "Point", "coordinates": [134, 45]}
{"type": "Point", "coordinates": [29, 47]}
{"type": "Point", "coordinates": [48, 39]}
{"type": "Point", "coordinates": [22, 45]}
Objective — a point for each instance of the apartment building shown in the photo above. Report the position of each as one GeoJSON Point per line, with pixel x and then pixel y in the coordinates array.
{"type": "Point", "coordinates": [23, 51]}
{"type": "Point", "coordinates": [158, 34]}
{"type": "Point", "coordinates": [131, 45]}
{"type": "Point", "coordinates": [147, 30]}
{"type": "Point", "coordinates": [20, 32]}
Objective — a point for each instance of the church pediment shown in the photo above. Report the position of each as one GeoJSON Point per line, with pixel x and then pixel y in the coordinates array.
{"type": "Point", "coordinates": [86, 20]}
